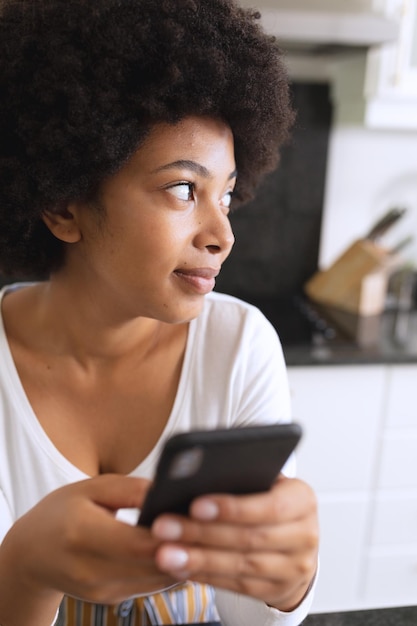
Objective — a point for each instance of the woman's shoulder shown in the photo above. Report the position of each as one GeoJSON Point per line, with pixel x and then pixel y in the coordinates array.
{"type": "Point", "coordinates": [229, 309]}
{"type": "Point", "coordinates": [230, 319]}
{"type": "Point", "coordinates": [221, 306]}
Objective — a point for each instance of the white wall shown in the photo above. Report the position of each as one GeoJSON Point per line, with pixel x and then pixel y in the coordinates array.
{"type": "Point", "coordinates": [369, 171]}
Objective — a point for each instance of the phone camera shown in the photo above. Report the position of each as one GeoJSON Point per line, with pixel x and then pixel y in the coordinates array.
{"type": "Point", "coordinates": [186, 463]}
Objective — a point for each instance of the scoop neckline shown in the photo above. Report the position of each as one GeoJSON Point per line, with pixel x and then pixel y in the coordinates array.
{"type": "Point", "coordinates": [28, 417]}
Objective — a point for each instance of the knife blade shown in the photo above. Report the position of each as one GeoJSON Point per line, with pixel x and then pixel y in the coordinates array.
{"type": "Point", "coordinates": [384, 223]}
{"type": "Point", "coordinates": [401, 245]}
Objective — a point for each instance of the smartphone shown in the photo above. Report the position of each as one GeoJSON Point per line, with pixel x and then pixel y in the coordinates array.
{"type": "Point", "coordinates": [240, 460]}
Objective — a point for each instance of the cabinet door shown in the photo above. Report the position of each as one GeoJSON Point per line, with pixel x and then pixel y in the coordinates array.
{"type": "Point", "coordinates": [359, 453]}
{"type": "Point", "coordinates": [342, 529]}
{"type": "Point", "coordinates": [398, 466]}
{"type": "Point", "coordinates": [391, 75]}
{"type": "Point", "coordinates": [391, 577]}
{"type": "Point", "coordinates": [402, 399]}
{"type": "Point", "coordinates": [340, 409]}
{"type": "Point", "coordinates": [395, 518]}
{"type": "Point", "coordinates": [391, 564]}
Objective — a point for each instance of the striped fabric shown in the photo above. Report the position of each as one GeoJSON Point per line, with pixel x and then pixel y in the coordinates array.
{"type": "Point", "coordinates": [190, 603]}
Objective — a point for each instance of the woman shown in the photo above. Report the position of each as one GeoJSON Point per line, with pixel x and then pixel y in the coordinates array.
{"type": "Point", "coordinates": [127, 128]}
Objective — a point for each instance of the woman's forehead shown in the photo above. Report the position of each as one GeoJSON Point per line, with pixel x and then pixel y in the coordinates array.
{"type": "Point", "coordinates": [195, 143]}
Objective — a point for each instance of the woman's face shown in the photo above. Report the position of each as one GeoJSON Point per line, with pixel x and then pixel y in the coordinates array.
{"type": "Point", "coordinates": [165, 231]}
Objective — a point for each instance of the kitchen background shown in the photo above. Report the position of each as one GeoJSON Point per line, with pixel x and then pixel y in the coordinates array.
{"type": "Point", "coordinates": [278, 233]}
{"type": "Point", "coordinates": [337, 176]}
{"type": "Point", "coordinates": [353, 156]}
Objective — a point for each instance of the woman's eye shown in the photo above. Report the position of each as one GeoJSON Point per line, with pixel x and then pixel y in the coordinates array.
{"type": "Point", "coordinates": [182, 191]}
{"type": "Point", "coordinates": [227, 199]}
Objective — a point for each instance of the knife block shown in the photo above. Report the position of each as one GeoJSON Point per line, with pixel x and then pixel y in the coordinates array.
{"type": "Point", "coordinates": [357, 281]}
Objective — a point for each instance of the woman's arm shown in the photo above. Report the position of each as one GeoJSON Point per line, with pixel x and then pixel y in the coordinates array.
{"type": "Point", "coordinates": [261, 547]}
{"type": "Point", "coordinates": [70, 543]}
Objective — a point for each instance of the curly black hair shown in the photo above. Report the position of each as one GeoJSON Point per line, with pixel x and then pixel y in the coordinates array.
{"type": "Point", "coordinates": [82, 81]}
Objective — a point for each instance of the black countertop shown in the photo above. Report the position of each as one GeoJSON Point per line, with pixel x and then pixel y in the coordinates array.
{"type": "Point", "coordinates": [402, 616]}
{"type": "Point", "coordinates": [313, 335]}
{"type": "Point", "coordinates": [389, 347]}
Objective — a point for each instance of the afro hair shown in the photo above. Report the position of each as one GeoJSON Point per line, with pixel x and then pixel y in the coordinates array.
{"type": "Point", "coordinates": [82, 82]}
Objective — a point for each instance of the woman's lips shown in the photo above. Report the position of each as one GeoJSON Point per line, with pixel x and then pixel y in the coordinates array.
{"type": "Point", "coordinates": [202, 280]}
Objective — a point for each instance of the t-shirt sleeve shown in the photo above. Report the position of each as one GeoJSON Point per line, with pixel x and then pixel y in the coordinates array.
{"type": "Point", "coordinates": [6, 520]}
{"type": "Point", "coordinates": [263, 397]}
{"type": "Point", "coordinates": [264, 392]}
{"type": "Point", "coordinates": [238, 610]}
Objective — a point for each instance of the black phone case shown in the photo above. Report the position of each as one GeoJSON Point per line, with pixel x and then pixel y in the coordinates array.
{"type": "Point", "coordinates": [237, 461]}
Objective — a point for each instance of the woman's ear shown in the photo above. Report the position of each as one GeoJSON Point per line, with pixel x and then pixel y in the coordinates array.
{"type": "Point", "coordinates": [63, 225]}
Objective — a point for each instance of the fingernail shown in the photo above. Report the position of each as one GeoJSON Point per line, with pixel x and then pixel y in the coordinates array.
{"type": "Point", "coordinates": [173, 558]}
{"type": "Point", "coordinates": [205, 510]}
{"type": "Point", "coordinates": [168, 529]}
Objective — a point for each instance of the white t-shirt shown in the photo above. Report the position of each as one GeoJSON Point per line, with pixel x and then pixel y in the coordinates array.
{"type": "Point", "coordinates": [233, 374]}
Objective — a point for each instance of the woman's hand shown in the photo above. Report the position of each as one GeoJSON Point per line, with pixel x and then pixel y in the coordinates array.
{"type": "Point", "coordinates": [71, 543]}
{"type": "Point", "coordinates": [262, 545]}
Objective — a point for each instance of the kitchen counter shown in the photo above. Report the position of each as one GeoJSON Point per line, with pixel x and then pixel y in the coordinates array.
{"type": "Point", "coordinates": [312, 335]}
{"type": "Point", "coordinates": [403, 616]}
{"type": "Point", "coordinates": [395, 343]}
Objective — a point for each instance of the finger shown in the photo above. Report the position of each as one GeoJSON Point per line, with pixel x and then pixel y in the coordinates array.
{"type": "Point", "coordinates": [93, 522]}
{"type": "Point", "coordinates": [113, 491]}
{"type": "Point", "coordinates": [118, 540]}
{"type": "Point", "coordinates": [115, 555]}
{"type": "Point", "coordinates": [90, 527]}
{"type": "Point", "coordinates": [288, 500]}
{"type": "Point", "coordinates": [270, 577]}
{"type": "Point", "coordinates": [180, 562]}
{"type": "Point", "coordinates": [95, 530]}
{"type": "Point", "coordinates": [274, 593]}
{"type": "Point", "coordinates": [274, 537]}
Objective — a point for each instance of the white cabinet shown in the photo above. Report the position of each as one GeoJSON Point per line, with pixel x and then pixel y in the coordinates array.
{"type": "Point", "coordinates": [300, 24]}
{"type": "Point", "coordinates": [339, 408]}
{"type": "Point", "coordinates": [392, 68]}
{"type": "Point", "coordinates": [343, 524]}
{"type": "Point", "coordinates": [378, 88]}
{"type": "Point", "coordinates": [401, 403]}
{"type": "Point", "coordinates": [398, 464]}
{"type": "Point", "coordinates": [391, 73]}
{"type": "Point", "coordinates": [391, 578]}
{"type": "Point", "coordinates": [395, 518]}
{"type": "Point", "coordinates": [359, 454]}
{"type": "Point", "coordinates": [390, 569]}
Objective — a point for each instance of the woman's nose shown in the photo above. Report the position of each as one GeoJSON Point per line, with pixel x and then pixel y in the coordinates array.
{"type": "Point", "coordinates": [214, 230]}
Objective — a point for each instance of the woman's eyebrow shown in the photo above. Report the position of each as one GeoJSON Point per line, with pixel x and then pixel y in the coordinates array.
{"type": "Point", "coordinates": [193, 166]}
